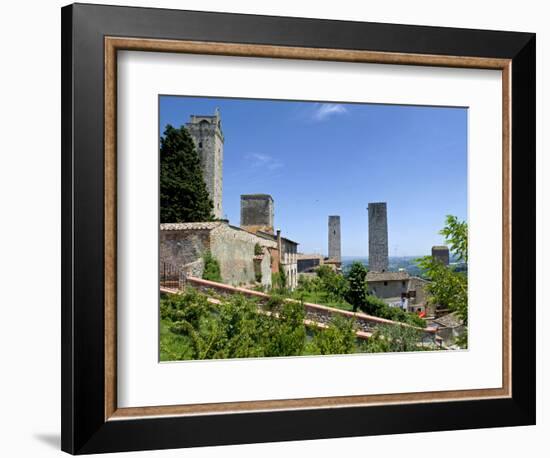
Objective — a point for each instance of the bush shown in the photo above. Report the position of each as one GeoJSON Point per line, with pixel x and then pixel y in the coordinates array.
{"type": "Point", "coordinates": [278, 279]}
{"type": "Point", "coordinates": [377, 307]}
{"type": "Point", "coordinates": [338, 339]}
{"type": "Point", "coordinates": [258, 250]}
{"type": "Point", "coordinates": [211, 268]}
{"type": "Point", "coordinates": [282, 276]}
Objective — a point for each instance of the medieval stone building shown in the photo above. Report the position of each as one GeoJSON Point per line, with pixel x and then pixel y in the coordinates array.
{"type": "Point", "coordinates": [257, 217]}
{"type": "Point", "coordinates": [244, 258]}
{"type": "Point", "coordinates": [247, 255]}
{"type": "Point", "coordinates": [398, 289]}
{"type": "Point", "coordinates": [441, 254]}
{"type": "Point", "coordinates": [334, 238]}
{"type": "Point", "coordinates": [378, 237]}
{"type": "Point", "coordinates": [207, 135]}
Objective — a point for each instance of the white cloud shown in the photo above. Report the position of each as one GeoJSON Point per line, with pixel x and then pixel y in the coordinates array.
{"type": "Point", "coordinates": [326, 110]}
{"type": "Point", "coordinates": [264, 160]}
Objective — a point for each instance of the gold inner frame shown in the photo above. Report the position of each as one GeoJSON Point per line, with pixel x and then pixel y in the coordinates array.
{"type": "Point", "coordinates": [114, 44]}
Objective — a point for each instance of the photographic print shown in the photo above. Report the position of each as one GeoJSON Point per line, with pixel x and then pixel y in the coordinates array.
{"type": "Point", "coordinates": [291, 228]}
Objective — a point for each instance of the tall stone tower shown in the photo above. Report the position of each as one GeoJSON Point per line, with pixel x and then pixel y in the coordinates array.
{"type": "Point", "coordinates": [441, 254]}
{"type": "Point", "coordinates": [378, 237]}
{"type": "Point", "coordinates": [207, 135]}
{"type": "Point", "coordinates": [257, 212]}
{"type": "Point", "coordinates": [334, 240]}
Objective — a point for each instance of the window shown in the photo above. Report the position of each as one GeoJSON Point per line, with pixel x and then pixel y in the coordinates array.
{"type": "Point", "coordinates": [200, 144]}
{"type": "Point", "coordinates": [403, 284]}
{"type": "Point", "coordinates": [385, 283]}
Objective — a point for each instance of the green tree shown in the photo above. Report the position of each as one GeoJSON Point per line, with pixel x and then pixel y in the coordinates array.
{"type": "Point", "coordinates": [392, 338]}
{"type": "Point", "coordinates": [447, 286]}
{"type": "Point", "coordinates": [456, 235]}
{"type": "Point", "coordinates": [357, 290]}
{"type": "Point", "coordinates": [339, 338]}
{"type": "Point", "coordinates": [211, 268]}
{"type": "Point", "coordinates": [332, 283]}
{"type": "Point", "coordinates": [285, 335]}
{"type": "Point", "coordinates": [183, 193]}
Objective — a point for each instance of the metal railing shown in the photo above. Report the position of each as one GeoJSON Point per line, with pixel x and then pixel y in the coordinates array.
{"type": "Point", "coordinates": [169, 276]}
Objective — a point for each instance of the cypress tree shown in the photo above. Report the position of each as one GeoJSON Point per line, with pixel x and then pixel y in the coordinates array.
{"type": "Point", "coordinates": [183, 193]}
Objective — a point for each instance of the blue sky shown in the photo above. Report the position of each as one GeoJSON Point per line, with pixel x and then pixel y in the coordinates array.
{"type": "Point", "coordinates": [319, 159]}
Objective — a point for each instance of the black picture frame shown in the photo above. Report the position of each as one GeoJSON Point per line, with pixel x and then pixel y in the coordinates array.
{"type": "Point", "coordinates": [84, 428]}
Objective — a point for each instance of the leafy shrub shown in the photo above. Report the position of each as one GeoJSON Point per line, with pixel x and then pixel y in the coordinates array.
{"type": "Point", "coordinates": [393, 338]}
{"type": "Point", "coordinates": [258, 250]}
{"type": "Point", "coordinates": [211, 268]}
{"type": "Point", "coordinates": [338, 339]}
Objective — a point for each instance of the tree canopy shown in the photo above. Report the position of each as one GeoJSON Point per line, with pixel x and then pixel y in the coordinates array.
{"type": "Point", "coordinates": [183, 193]}
{"type": "Point", "coordinates": [357, 291]}
{"type": "Point", "coordinates": [449, 287]}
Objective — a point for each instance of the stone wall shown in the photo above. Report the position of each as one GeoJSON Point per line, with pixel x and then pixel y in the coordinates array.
{"type": "Point", "coordinates": [181, 247]}
{"type": "Point", "coordinates": [378, 237]}
{"type": "Point", "coordinates": [234, 250]}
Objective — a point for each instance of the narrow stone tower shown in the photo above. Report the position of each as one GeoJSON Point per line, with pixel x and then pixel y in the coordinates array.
{"type": "Point", "coordinates": [334, 240]}
{"type": "Point", "coordinates": [378, 237]}
{"type": "Point", "coordinates": [207, 135]}
{"type": "Point", "coordinates": [257, 212]}
{"type": "Point", "coordinates": [441, 254]}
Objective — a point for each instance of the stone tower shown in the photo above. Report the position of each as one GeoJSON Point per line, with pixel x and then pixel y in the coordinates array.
{"type": "Point", "coordinates": [441, 254]}
{"type": "Point", "coordinates": [334, 240]}
{"type": "Point", "coordinates": [378, 237]}
{"type": "Point", "coordinates": [207, 135]}
{"type": "Point", "coordinates": [257, 212]}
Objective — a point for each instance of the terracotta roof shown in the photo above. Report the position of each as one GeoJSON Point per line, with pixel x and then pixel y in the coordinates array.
{"type": "Point", "coordinates": [208, 225]}
{"type": "Point", "coordinates": [387, 276]}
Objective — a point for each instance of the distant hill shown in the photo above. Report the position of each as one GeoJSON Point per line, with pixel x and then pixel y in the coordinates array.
{"type": "Point", "coordinates": [407, 263]}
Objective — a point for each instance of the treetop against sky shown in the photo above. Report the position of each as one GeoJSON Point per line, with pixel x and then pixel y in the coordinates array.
{"type": "Point", "coordinates": [320, 159]}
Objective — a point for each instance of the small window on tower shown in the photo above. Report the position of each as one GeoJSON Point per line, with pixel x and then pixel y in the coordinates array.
{"type": "Point", "coordinates": [200, 144]}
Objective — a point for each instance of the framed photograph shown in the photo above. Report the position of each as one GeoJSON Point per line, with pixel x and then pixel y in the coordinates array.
{"type": "Point", "coordinates": [280, 228]}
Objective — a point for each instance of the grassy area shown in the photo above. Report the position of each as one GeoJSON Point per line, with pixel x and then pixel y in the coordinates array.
{"type": "Point", "coordinates": [322, 298]}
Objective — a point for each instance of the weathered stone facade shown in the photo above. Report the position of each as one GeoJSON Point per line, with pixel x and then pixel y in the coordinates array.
{"type": "Point", "coordinates": [392, 286]}
{"type": "Point", "coordinates": [441, 254]}
{"type": "Point", "coordinates": [207, 135]}
{"type": "Point", "coordinates": [257, 212]}
{"type": "Point", "coordinates": [378, 237]}
{"type": "Point", "coordinates": [334, 238]}
{"type": "Point", "coordinates": [286, 255]}
{"type": "Point", "coordinates": [183, 244]}
{"type": "Point", "coordinates": [234, 250]}
{"type": "Point", "coordinates": [388, 284]}
{"type": "Point", "coordinates": [289, 261]}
